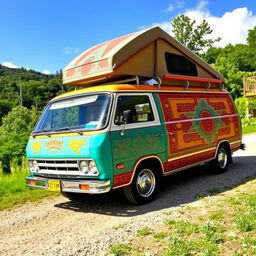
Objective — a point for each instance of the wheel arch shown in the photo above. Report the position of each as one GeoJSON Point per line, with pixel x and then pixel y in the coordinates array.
{"type": "Point", "coordinates": [226, 143]}
{"type": "Point", "coordinates": [152, 159]}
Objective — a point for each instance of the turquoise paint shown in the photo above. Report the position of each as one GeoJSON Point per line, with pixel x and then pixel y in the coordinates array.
{"type": "Point", "coordinates": [101, 152]}
{"type": "Point", "coordinates": [96, 147]}
{"type": "Point", "coordinates": [135, 144]}
{"type": "Point", "coordinates": [58, 147]}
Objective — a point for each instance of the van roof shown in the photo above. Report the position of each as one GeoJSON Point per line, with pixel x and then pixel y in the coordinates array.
{"type": "Point", "coordinates": [148, 53]}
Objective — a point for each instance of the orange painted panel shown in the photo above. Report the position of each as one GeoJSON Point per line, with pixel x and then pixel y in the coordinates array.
{"type": "Point", "coordinates": [197, 122]}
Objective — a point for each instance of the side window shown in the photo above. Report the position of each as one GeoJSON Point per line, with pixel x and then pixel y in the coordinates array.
{"type": "Point", "coordinates": [139, 109]}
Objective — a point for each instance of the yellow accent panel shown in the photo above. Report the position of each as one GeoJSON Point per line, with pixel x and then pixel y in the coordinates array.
{"type": "Point", "coordinates": [183, 144]}
{"type": "Point", "coordinates": [174, 102]}
{"type": "Point", "coordinates": [36, 146]}
{"type": "Point", "coordinates": [75, 145]}
{"type": "Point", "coordinates": [221, 101]}
{"type": "Point", "coordinates": [228, 131]}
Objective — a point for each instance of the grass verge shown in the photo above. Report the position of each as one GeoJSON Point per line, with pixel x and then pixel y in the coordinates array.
{"type": "Point", "coordinates": [249, 129]}
{"type": "Point", "coordinates": [13, 191]}
{"type": "Point", "coordinates": [222, 224]}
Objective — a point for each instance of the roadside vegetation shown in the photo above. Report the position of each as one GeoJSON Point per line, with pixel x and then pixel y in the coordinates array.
{"type": "Point", "coordinates": [14, 193]}
{"type": "Point", "coordinates": [249, 125]}
{"type": "Point", "coordinates": [222, 224]}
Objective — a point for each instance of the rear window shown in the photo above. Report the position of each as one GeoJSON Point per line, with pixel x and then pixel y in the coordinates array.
{"type": "Point", "coordinates": [179, 65]}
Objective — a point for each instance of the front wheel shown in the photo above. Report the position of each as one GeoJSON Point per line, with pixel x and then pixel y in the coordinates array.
{"type": "Point", "coordinates": [221, 162]}
{"type": "Point", "coordinates": [144, 187]}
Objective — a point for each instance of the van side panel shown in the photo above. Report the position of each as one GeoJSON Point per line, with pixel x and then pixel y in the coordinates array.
{"type": "Point", "coordinates": [196, 123]}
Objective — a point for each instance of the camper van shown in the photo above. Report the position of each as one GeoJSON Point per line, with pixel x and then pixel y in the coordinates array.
{"type": "Point", "coordinates": [144, 107]}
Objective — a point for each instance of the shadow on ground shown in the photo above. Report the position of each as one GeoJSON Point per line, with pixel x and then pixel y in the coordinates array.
{"type": "Point", "coordinates": [177, 189]}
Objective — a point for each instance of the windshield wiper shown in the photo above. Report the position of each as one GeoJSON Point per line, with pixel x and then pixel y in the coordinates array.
{"type": "Point", "coordinates": [68, 129]}
{"type": "Point", "coordinates": [41, 132]}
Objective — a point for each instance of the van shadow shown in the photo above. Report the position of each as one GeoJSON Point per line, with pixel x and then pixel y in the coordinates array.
{"type": "Point", "coordinates": [177, 189]}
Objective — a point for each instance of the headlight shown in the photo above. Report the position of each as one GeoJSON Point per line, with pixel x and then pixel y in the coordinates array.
{"type": "Point", "coordinates": [33, 166]}
{"type": "Point", "coordinates": [88, 167]}
{"type": "Point", "coordinates": [93, 168]}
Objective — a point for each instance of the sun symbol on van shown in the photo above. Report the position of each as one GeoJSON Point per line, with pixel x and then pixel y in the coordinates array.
{"type": "Point", "coordinates": [36, 146]}
{"type": "Point", "coordinates": [207, 122]}
{"type": "Point", "coordinates": [75, 145]}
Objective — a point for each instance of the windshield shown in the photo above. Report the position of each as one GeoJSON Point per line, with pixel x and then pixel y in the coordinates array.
{"type": "Point", "coordinates": [81, 113]}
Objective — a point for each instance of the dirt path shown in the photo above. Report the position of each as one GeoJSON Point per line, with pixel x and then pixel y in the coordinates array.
{"type": "Point", "coordinates": [60, 227]}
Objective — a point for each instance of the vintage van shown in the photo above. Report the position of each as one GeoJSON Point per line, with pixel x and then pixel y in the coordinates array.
{"type": "Point", "coordinates": [147, 107]}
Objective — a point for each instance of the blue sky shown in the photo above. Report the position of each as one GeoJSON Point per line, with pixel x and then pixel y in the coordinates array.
{"type": "Point", "coordinates": [45, 35]}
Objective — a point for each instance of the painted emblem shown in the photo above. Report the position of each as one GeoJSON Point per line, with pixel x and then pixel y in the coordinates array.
{"type": "Point", "coordinates": [75, 145]}
{"type": "Point", "coordinates": [208, 121]}
{"type": "Point", "coordinates": [36, 146]}
{"type": "Point", "coordinates": [54, 145]}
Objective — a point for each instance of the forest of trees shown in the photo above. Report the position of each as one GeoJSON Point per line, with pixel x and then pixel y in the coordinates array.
{"type": "Point", "coordinates": [24, 93]}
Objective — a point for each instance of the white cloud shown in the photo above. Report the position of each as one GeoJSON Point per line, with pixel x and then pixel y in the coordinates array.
{"type": "Point", "coordinates": [178, 4]}
{"type": "Point", "coordinates": [46, 72]}
{"type": "Point", "coordinates": [232, 26]}
{"type": "Point", "coordinates": [10, 65]}
{"type": "Point", "coordinates": [170, 8]}
{"type": "Point", "coordinates": [69, 50]}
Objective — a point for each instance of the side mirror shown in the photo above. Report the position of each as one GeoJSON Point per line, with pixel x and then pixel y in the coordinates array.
{"type": "Point", "coordinates": [127, 114]}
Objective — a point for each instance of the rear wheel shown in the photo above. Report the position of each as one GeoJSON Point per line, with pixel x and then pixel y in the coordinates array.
{"type": "Point", "coordinates": [144, 187]}
{"type": "Point", "coordinates": [221, 162]}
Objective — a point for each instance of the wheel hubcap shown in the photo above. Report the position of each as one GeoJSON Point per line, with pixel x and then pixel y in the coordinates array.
{"type": "Point", "coordinates": [222, 158]}
{"type": "Point", "coordinates": [146, 183]}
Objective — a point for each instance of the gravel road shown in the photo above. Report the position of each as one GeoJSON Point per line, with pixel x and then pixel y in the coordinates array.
{"type": "Point", "coordinates": [60, 227]}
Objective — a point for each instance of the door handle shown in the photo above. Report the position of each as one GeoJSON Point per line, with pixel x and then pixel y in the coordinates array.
{"type": "Point", "coordinates": [171, 133]}
{"type": "Point", "coordinates": [158, 134]}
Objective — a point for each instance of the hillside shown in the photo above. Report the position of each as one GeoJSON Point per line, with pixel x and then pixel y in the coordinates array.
{"type": "Point", "coordinates": [27, 88]}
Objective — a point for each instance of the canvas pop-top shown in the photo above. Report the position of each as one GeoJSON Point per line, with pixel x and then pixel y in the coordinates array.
{"type": "Point", "coordinates": [147, 107]}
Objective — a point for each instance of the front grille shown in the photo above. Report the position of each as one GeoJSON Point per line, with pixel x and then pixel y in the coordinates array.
{"type": "Point", "coordinates": [57, 165]}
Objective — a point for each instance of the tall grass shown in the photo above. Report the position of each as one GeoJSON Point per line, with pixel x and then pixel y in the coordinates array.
{"type": "Point", "coordinates": [13, 191]}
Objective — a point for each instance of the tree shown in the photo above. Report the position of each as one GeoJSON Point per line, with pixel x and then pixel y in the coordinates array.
{"type": "Point", "coordinates": [14, 134]}
{"type": "Point", "coordinates": [190, 36]}
{"type": "Point", "coordinates": [251, 39]}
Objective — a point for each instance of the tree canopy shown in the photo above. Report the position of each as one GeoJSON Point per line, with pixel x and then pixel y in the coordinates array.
{"type": "Point", "coordinates": [191, 35]}
{"type": "Point", "coordinates": [234, 62]}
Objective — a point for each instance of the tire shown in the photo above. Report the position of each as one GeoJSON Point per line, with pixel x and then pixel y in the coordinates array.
{"type": "Point", "coordinates": [222, 160]}
{"type": "Point", "coordinates": [73, 196]}
{"type": "Point", "coordinates": [144, 187]}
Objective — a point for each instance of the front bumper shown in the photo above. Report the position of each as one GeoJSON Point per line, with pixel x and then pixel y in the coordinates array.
{"type": "Point", "coordinates": [74, 186]}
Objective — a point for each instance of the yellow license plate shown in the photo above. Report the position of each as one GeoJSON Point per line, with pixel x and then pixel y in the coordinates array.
{"type": "Point", "coordinates": [53, 185]}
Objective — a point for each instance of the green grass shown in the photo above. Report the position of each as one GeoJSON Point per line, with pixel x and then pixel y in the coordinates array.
{"type": "Point", "coordinates": [120, 249]}
{"type": "Point", "coordinates": [249, 129]}
{"type": "Point", "coordinates": [218, 225]}
{"type": "Point", "coordinates": [13, 191]}
{"type": "Point", "coordinates": [144, 231]}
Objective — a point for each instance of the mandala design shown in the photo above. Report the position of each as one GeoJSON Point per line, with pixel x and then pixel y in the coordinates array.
{"type": "Point", "coordinates": [207, 121]}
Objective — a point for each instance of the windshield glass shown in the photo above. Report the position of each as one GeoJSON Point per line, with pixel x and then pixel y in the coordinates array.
{"type": "Point", "coordinates": [81, 113]}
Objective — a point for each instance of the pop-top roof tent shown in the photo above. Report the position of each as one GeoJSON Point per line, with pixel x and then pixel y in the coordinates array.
{"type": "Point", "coordinates": [145, 54]}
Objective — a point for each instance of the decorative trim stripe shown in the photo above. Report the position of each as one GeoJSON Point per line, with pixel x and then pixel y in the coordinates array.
{"type": "Point", "coordinates": [191, 154]}
{"type": "Point", "coordinates": [200, 119]}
